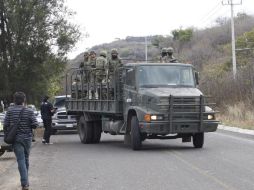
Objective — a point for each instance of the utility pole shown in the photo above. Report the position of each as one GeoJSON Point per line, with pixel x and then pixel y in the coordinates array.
{"type": "Point", "coordinates": [230, 2]}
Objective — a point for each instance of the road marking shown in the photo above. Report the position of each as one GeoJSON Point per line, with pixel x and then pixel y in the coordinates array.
{"type": "Point", "coordinates": [202, 172]}
{"type": "Point", "coordinates": [235, 137]}
{"type": "Point", "coordinates": [236, 129]}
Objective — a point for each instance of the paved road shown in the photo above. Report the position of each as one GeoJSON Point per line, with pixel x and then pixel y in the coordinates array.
{"type": "Point", "coordinates": [226, 162]}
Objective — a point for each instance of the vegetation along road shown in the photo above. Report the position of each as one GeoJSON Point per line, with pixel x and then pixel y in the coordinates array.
{"type": "Point", "coordinates": [225, 162]}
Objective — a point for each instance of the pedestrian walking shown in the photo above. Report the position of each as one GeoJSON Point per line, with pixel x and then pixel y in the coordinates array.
{"type": "Point", "coordinates": [26, 121]}
{"type": "Point", "coordinates": [47, 111]}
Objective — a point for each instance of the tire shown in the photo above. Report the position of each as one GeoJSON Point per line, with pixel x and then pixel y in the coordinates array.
{"type": "Point", "coordinates": [198, 140]}
{"type": "Point", "coordinates": [85, 130]}
{"type": "Point", "coordinates": [96, 131]}
{"type": "Point", "coordinates": [2, 152]}
{"type": "Point", "coordinates": [136, 141]}
{"type": "Point", "coordinates": [143, 136]}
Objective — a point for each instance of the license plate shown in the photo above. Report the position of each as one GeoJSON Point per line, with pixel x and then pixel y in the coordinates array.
{"type": "Point", "coordinates": [69, 125]}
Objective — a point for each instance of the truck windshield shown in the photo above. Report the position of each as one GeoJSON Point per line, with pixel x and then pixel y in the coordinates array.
{"type": "Point", "coordinates": [165, 76]}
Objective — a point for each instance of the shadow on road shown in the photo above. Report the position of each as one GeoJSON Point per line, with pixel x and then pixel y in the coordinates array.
{"type": "Point", "coordinates": [70, 139]}
{"type": "Point", "coordinates": [147, 146]}
{"type": "Point", "coordinates": [66, 132]}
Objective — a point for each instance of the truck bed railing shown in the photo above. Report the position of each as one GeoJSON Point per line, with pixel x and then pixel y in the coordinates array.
{"type": "Point", "coordinates": [92, 96]}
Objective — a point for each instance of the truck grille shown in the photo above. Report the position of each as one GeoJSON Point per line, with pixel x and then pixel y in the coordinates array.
{"type": "Point", "coordinates": [62, 115]}
{"type": "Point", "coordinates": [182, 108]}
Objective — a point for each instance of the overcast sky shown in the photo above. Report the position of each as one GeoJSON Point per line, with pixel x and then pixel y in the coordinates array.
{"type": "Point", "coordinates": [108, 20]}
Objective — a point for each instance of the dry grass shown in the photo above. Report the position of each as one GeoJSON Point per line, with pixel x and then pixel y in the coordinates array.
{"type": "Point", "coordinates": [239, 115]}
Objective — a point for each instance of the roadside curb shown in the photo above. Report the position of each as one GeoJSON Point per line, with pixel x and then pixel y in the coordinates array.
{"type": "Point", "coordinates": [236, 130]}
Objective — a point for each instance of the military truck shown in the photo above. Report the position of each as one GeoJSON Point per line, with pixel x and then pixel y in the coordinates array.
{"type": "Point", "coordinates": [142, 101]}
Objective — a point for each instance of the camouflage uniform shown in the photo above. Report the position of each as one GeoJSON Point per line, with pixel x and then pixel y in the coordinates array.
{"type": "Point", "coordinates": [163, 55]}
{"type": "Point", "coordinates": [101, 66]}
{"type": "Point", "coordinates": [113, 63]}
{"type": "Point", "coordinates": [91, 73]}
{"type": "Point", "coordinates": [101, 72]}
{"type": "Point", "coordinates": [167, 56]}
{"type": "Point", "coordinates": [170, 58]}
{"type": "Point", "coordinates": [92, 66]}
{"type": "Point", "coordinates": [83, 64]}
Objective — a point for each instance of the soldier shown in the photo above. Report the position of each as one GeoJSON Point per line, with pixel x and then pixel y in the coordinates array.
{"type": "Point", "coordinates": [101, 71]}
{"type": "Point", "coordinates": [170, 58]}
{"type": "Point", "coordinates": [167, 56]}
{"type": "Point", "coordinates": [91, 72]}
{"type": "Point", "coordinates": [163, 55]}
{"type": "Point", "coordinates": [101, 65]}
{"type": "Point", "coordinates": [92, 59]}
{"type": "Point", "coordinates": [86, 67]}
{"type": "Point", "coordinates": [86, 57]}
{"type": "Point", "coordinates": [114, 64]}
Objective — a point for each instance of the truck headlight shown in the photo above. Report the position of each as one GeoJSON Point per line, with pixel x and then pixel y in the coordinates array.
{"type": "Point", "coordinates": [210, 117]}
{"type": "Point", "coordinates": [153, 117]}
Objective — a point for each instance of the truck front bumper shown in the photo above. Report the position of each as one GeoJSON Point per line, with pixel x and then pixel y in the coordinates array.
{"type": "Point", "coordinates": [164, 127]}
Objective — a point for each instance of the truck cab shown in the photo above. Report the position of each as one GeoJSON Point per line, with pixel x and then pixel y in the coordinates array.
{"type": "Point", "coordinates": [150, 101]}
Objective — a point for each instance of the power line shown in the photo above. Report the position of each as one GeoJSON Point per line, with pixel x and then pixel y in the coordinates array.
{"type": "Point", "coordinates": [214, 14]}
{"type": "Point", "coordinates": [214, 9]}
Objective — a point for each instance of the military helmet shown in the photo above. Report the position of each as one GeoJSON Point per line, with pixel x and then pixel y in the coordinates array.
{"type": "Point", "coordinates": [164, 50]}
{"type": "Point", "coordinates": [114, 51]}
{"type": "Point", "coordinates": [92, 52]}
{"type": "Point", "coordinates": [170, 50]}
{"type": "Point", "coordinates": [103, 53]}
{"type": "Point", "coordinates": [86, 53]}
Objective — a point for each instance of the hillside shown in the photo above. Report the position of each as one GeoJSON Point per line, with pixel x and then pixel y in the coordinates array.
{"type": "Point", "coordinates": [209, 50]}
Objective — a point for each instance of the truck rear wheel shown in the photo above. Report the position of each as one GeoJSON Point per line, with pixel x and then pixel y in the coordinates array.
{"type": "Point", "coordinates": [198, 140]}
{"type": "Point", "coordinates": [136, 141]}
{"type": "Point", "coordinates": [96, 131]}
{"type": "Point", "coordinates": [85, 130]}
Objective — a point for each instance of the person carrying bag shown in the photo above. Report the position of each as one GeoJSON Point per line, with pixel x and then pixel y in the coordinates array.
{"type": "Point", "coordinates": [18, 124]}
{"type": "Point", "coordinates": [10, 135]}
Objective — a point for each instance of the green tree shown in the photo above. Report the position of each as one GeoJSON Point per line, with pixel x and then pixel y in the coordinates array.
{"type": "Point", "coordinates": [182, 35]}
{"type": "Point", "coordinates": [245, 46]}
{"type": "Point", "coordinates": [35, 37]}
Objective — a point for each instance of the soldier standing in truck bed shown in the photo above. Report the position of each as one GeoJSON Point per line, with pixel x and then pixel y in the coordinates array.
{"type": "Point", "coordinates": [91, 72]}
{"type": "Point", "coordinates": [86, 67]}
{"type": "Point", "coordinates": [114, 63]}
{"type": "Point", "coordinates": [101, 72]}
{"type": "Point", "coordinates": [85, 62]}
{"type": "Point", "coordinates": [167, 55]}
{"type": "Point", "coordinates": [163, 55]}
{"type": "Point", "coordinates": [170, 58]}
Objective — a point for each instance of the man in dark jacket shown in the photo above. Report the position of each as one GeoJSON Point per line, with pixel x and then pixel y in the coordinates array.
{"type": "Point", "coordinates": [47, 111]}
{"type": "Point", "coordinates": [23, 139]}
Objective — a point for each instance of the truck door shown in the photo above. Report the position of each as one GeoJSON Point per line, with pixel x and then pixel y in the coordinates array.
{"type": "Point", "coordinates": [129, 90]}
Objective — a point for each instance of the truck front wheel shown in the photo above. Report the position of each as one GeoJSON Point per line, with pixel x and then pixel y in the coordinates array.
{"type": "Point", "coordinates": [136, 141]}
{"type": "Point", "coordinates": [96, 131]}
{"type": "Point", "coordinates": [85, 131]}
{"type": "Point", "coordinates": [198, 140]}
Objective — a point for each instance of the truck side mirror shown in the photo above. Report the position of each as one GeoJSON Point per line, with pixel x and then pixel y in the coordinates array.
{"type": "Point", "coordinates": [197, 77]}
